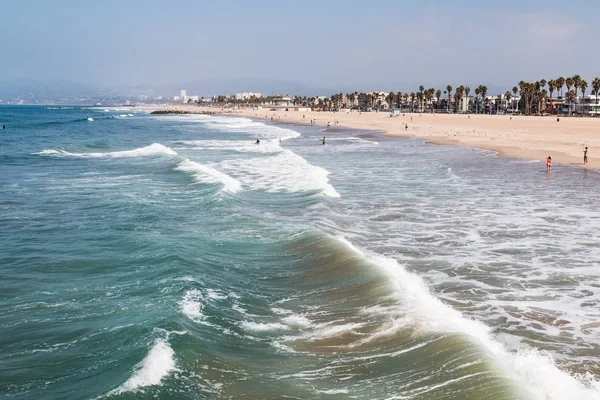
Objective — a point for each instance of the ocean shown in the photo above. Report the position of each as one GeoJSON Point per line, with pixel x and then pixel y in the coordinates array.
{"type": "Point", "coordinates": [170, 257]}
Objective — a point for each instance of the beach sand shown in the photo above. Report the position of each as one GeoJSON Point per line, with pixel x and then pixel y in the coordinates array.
{"type": "Point", "coordinates": [524, 137]}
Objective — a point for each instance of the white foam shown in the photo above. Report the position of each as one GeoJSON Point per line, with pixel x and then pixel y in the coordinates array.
{"type": "Point", "coordinates": [296, 321]}
{"type": "Point", "coordinates": [280, 311]}
{"type": "Point", "coordinates": [253, 128]}
{"type": "Point", "coordinates": [242, 146]}
{"type": "Point", "coordinates": [213, 294]}
{"type": "Point", "coordinates": [191, 305]}
{"type": "Point", "coordinates": [153, 369]}
{"type": "Point", "coordinates": [536, 369]}
{"type": "Point", "coordinates": [260, 327]}
{"type": "Point", "coordinates": [207, 174]}
{"type": "Point", "coordinates": [282, 172]}
{"type": "Point", "coordinates": [333, 391]}
{"type": "Point", "coordinates": [153, 149]}
{"type": "Point", "coordinates": [352, 139]}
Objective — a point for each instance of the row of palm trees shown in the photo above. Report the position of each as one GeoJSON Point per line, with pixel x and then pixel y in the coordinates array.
{"type": "Point", "coordinates": [534, 94]}
{"type": "Point", "coordinates": [532, 97]}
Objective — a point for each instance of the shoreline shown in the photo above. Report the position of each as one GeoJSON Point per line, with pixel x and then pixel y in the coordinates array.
{"type": "Point", "coordinates": [520, 137]}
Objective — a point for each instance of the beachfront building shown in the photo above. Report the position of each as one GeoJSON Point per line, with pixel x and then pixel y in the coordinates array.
{"type": "Point", "coordinates": [554, 105]}
{"type": "Point", "coordinates": [463, 104]}
{"type": "Point", "coordinates": [281, 101]}
{"type": "Point", "coordinates": [587, 105]}
{"type": "Point", "coordinates": [247, 95]}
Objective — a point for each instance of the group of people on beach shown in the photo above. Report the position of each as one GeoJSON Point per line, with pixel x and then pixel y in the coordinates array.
{"type": "Point", "coordinates": [549, 159]}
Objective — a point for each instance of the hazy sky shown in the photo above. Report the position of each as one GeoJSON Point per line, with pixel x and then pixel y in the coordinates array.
{"type": "Point", "coordinates": [114, 43]}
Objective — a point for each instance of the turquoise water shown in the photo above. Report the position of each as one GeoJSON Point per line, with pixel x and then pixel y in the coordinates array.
{"type": "Point", "coordinates": [169, 257]}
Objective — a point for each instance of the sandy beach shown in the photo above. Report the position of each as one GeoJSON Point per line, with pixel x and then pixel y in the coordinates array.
{"type": "Point", "coordinates": [525, 137]}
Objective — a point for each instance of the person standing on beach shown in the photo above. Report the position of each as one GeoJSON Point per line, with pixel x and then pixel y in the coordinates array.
{"type": "Point", "coordinates": [405, 127]}
{"type": "Point", "coordinates": [585, 155]}
{"type": "Point", "coordinates": [548, 163]}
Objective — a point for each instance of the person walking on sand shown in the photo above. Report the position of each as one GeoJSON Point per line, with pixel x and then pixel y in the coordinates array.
{"type": "Point", "coordinates": [585, 155]}
{"type": "Point", "coordinates": [548, 163]}
{"type": "Point", "coordinates": [406, 127]}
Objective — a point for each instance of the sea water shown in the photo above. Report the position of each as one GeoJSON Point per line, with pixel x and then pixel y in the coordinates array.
{"type": "Point", "coordinates": [170, 257]}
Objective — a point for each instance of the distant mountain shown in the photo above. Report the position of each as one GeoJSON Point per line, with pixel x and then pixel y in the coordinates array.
{"type": "Point", "coordinates": [35, 89]}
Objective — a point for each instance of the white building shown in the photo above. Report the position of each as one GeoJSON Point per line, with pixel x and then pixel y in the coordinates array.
{"type": "Point", "coordinates": [281, 101]}
{"type": "Point", "coordinates": [247, 95]}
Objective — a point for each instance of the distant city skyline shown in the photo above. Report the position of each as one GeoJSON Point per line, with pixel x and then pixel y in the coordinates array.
{"type": "Point", "coordinates": [330, 45]}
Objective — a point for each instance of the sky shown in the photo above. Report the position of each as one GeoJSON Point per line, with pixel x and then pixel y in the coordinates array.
{"type": "Point", "coordinates": [394, 45]}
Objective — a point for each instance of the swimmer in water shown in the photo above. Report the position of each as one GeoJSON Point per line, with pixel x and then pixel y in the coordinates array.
{"type": "Point", "coordinates": [548, 163]}
{"type": "Point", "coordinates": [280, 141]}
{"type": "Point", "coordinates": [257, 141]}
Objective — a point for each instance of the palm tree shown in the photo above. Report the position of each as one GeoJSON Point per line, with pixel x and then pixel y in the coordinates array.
{"type": "Point", "coordinates": [449, 90]}
{"type": "Point", "coordinates": [432, 91]}
{"type": "Point", "coordinates": [576, 82]}
{"type": "Point", "coordinates": [438, 94]}
{"type": "Point", "coordinates": [543, 97]}
{"type": "Point", "coordinates": [399, 100]}
{"type": "Point", "coordinates": [571, 96]}
{"type": "Point", "coordinates": [429, 97]}
{"type": "Point", "coordinates": [596, 87]}
{"type": "Point", "coordinates": [515, 90]}
{"type": "Point", "coordinates": [551, 86]}
{"type": "Point", "coordinates": [483, 91]}
{"type": "Point", "coordinates": [560, 82]}
{"type": "Point", "coordinates": [373, 97]}
{"type": "Point", "coordinates": [583, 85]}
{"type": "Point", "coordinates": [508, 96]}
{"type": "Point", "coordinates": [477, 91]}
{"type": "Point", "coordinates": [390, 99]}
{"type": "Point", "coordinates": [458, 97]}
{"type": "Point", "coordinates": [569, 82]}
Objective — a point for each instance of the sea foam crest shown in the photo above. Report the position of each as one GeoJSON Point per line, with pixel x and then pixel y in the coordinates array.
{"type": "Point", "coordinates": [207, 174]}
{"type": "Point", "coordinates": [282, 172]}
{"type": "Point", "coordinates": [153, 149]}
{"type": "Point", "coordinates": [191, 305]}
{"type": "Point", "coordinates": [254, 128]}
{"type": "Point", "coordinates": [159, 362]}
{"type": "Point", "coordinates": [537, 369]}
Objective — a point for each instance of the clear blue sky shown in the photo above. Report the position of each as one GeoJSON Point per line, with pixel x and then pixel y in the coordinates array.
{"type": "Point", "coordinates": [113, 43]}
